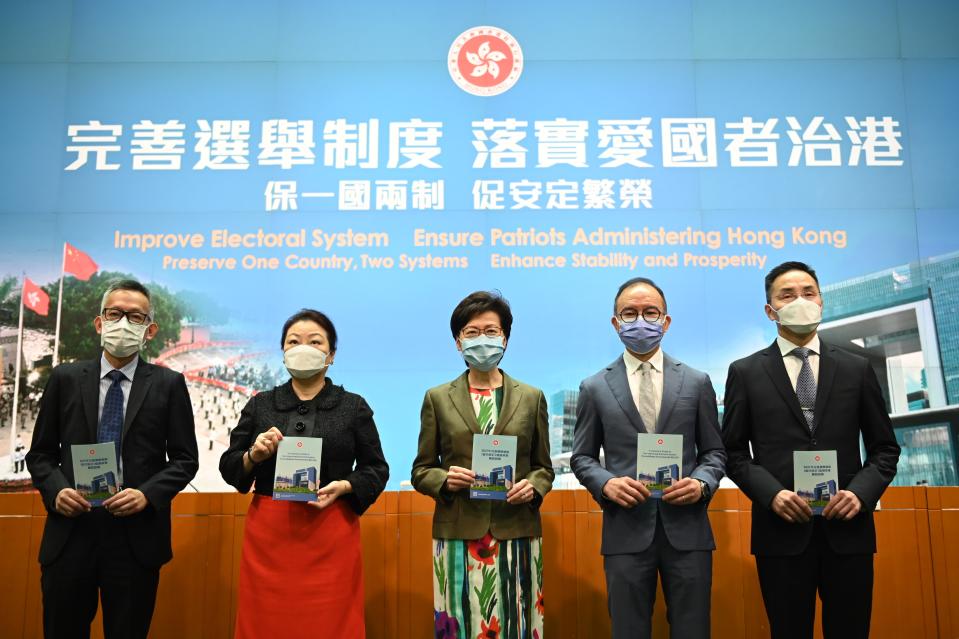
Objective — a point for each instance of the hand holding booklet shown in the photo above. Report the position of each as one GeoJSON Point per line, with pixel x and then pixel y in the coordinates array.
{"type": "Point", "coordinates": [659, 461]}
{"type": "Point", "coordinates": [297, 476]}
{"type": "Point", "coordinates": [494, 462]}
{"type": "Point", "coordinates": [815, 477]}
{"type": "Point", "coordinates": [95, 471]}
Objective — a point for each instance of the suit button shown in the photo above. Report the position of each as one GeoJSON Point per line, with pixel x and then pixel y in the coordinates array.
{"type": "Point", "coordinates": [814, 442]}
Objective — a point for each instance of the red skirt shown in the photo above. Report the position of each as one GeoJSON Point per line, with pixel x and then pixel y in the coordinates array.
{"type": "Point", "coordinates": [301, 574]}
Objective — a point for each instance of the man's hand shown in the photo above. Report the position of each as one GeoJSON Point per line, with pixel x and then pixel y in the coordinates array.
{"type": "Point", "coordinates": [844, 506]}
{"type": "Point", "coordinates": [128, 501]}
{"type": "Point", "coordinates": [70, 503]}
{"type": "Point", "coordinates": [625, 491]}
{"type": "Point", "coordinates": [330, 493]}
{"type": "Point", "coordinates": [522, 492]}
{"type": "Point", "coordinates": [458, 478]}
{"type": "Point", "coordinates": [684, 492]}
{"type": "Point", "coordinates": [791, 507]}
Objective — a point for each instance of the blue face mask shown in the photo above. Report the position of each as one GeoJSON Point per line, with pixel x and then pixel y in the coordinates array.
{"type": "Point", "coordinates": [641, 336]}
{"type": "Point", "coordinates": [482, 353]}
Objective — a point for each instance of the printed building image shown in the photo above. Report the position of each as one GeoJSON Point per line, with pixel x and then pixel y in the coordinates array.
{"type": "Point", "coordinates": [305, 478]}
{"type": "Point", "coordinates": [107, 482]}
{"type": "Point", "coordinates": [666, 475]}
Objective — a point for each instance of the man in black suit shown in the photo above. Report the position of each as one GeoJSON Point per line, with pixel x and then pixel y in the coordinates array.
{"type": "Point", "coordinates": [116, 550]}
{"type": "Point", "coordinates": [801, 394]}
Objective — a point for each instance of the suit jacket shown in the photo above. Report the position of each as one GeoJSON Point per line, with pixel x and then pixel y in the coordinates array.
{"type": "Point", "coordinates": [761, 409]}
{"type": "Point", "coordinates": [447, 426]}
{"type": "Point", "coordinates": [159, 450]}
{"type": "Point", "coordinates": [351, 445]}
{"type": "Point", "coordinates": [607, 417]}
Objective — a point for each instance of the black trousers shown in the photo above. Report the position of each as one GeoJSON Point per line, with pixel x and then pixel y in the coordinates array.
{"type": "Point", "coordinates": [687, 582]}
{"type": "Point", "coordinates": [97, 560]}
{"type": "Point", "coordinates": [844, 583]}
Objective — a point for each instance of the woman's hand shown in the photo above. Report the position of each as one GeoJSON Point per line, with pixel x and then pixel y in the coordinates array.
{"type": "Point", "coordinates": [522, 492]}
{"type": "Point", "coordinates": [265, 445]}
{"type": "Point", "coordinates": [330, 493]}
{"type": "Point", "coordinates": [458, 478]}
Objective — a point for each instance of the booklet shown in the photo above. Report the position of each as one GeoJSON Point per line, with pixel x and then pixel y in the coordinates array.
{"type": "Point", "coordinates": [494, 462]}
{"type": "Point", "coordinates": [659, 461]}
{"type": "Point", "coordinates": [95, 471]}
{"type": "Point", "coordinates": [815, 477]}
{"type": "Point", "coordinates": [297, 476]}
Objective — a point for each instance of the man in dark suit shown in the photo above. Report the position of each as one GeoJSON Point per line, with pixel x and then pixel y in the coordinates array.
{"type": "Point", "coordinates": [646, 391]}
{"type": "Point", "coordinates": [801, 394]}
{"type": "Point", "coordinates": [115, 551]}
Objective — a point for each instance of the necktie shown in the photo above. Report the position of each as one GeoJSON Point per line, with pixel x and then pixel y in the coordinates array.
{"type": "Point", "coordinates": [111, 420]}
{"type": "Point", "coordinates": [647, 398]}
{"type": "Point", "coordinates": [805, 386]}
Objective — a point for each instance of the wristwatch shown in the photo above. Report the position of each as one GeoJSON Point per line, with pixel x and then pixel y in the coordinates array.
{"type": "Point", "coordinates": [705, 493]}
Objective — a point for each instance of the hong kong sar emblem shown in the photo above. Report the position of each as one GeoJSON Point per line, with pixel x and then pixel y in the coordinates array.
{"type": "Point", "coordinates": [485, 61]}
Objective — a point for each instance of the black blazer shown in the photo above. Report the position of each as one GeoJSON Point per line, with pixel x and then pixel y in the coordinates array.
{"type": "Point", "coordinates": [159, 450]}
{"type": "Point", "coordinates": [761, 408]}
{"type": "Point", "coordinates": [345, 422]}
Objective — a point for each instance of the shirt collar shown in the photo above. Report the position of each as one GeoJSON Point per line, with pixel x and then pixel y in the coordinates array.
{"type": "Point", "coordinates": [633, 362]}
{"type": "Point", "coordinates": [786, 347]}
{"type": "Point", "coordinates": [128, 370]}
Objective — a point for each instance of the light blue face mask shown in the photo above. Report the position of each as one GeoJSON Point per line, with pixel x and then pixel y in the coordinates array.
{"type": "Point", "coordinates": [483, 353]}
{"type": "Point", "coordinates": [641, 336]}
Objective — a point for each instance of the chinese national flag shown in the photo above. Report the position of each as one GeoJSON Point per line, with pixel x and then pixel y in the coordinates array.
{"type": "Point", "coordinates": [35, 298]}
{"type": "Point", "coordinates": [78, 263]}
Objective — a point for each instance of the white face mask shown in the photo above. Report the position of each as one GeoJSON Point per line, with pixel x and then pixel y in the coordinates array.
{"type": "Point", "coordinates": [801, 316]}
{"type": "Point", "coordinates": [304, 361]}
{"type": "Point", "coordinates": [121, 338]}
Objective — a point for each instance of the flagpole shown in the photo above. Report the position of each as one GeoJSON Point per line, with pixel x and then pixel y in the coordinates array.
{"type": "Point", "coordinates": [56, 335]}
{"type": "Point", "coordinates": [16, 380]}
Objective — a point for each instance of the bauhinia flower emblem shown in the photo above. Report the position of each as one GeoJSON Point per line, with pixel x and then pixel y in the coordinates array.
{"type": "Point", "coordinates": [485, 60]}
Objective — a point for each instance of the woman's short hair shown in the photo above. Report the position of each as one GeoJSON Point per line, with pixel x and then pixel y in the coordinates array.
{"type": "Point", "coordinates": [310, 315]}
{"type": "Point", "coordinates": [478, 303]}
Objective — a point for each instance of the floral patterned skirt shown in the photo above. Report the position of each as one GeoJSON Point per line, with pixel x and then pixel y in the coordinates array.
{"type": "Point", "coordinates": [488, 588]}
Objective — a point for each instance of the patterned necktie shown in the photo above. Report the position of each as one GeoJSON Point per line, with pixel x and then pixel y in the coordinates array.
{"type": "Point", "coordinates": [647, 399]}
{"type": "Point", "coordinates": [111, 420]}
{"type": "Point", "coordinates": [805, 385]}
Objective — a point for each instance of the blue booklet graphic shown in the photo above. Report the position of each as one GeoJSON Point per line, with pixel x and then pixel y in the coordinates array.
{"type": "Point", "coordinates": [494, 462]}
{"type": "Point", "coordinates": [95, 471]}
{"type": "Point", "coordinates": [815, 477]}
{"type": "Point", "coordinates": [297, 475]}
{"type": "Point", "coordinates": [659, 461]}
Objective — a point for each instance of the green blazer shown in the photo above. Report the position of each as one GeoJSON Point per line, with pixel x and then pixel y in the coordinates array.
{"type": "Point", "coordinates": [447, 426]}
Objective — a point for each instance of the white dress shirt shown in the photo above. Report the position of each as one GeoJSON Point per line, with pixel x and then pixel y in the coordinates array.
{"type": "Point", "coordinates": [794, 362]}
{"type": "Point", "coordinates": [656, 376]}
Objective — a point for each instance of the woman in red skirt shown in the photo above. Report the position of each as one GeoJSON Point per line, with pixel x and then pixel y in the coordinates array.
{"type": "Point", "coordinates": [301, 573]}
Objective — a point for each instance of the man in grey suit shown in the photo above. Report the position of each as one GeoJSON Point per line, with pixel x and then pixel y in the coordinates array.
{"type": "Point", "coordinates": [646, 391]}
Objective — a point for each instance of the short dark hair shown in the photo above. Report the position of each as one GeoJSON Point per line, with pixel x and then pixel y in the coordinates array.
{"type": "Point", "coordinates": [478, 303]}
{"type": "Point", "coordinates": [310, 315]}
{"type": "Point", "coordinates": [125, 285]}
{"type": "Point", "coordinates": [633, 282]}
{"type": "Point", "coordinates": [785, 267]}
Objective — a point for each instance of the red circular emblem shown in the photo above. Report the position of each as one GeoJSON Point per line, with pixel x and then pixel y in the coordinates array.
{"type": "Point", "coordinates": [495, 442]}
{"type": "Point", "coordinates": [818, 458]}
{"type": "Point", "coordinates": [660, 441]}
{"type": "Point", "coordinates": [93, 452]}
{"type": "Point", "coordinates": [485, 61]}
{"type": "Point", "coordinates": [299, 444]}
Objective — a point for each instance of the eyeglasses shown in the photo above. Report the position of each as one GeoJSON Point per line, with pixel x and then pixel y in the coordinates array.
{"type": "Point", "coordinates": [471, 332]}
{"type": "Point", "coordinates": [116, 314]}
{"type": "Point", "coordinates": [650, 314]}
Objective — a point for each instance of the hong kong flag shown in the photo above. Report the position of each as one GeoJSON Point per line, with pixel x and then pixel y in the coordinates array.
{"type": "Point", "coordinates": [78, 263]}
{"type": "Point", "coordinates": [35, 298]}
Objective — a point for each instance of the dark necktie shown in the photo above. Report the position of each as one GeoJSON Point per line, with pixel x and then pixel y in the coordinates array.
{"type": "Point", "coordinates": [111, 420]}
{"type": "Point", "coordinates": [805, 386]}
